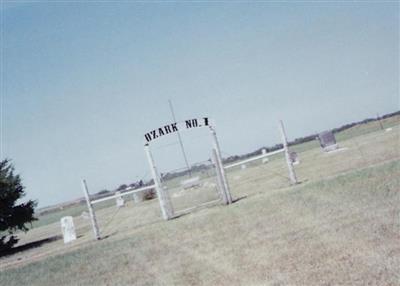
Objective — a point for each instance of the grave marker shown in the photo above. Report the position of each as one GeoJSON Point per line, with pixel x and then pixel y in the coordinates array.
{"type": "Point", "coordinates": [294, 158]}
{"type": "Point", "coordinates": [119, 200]}
{"type": "Point", "coordinates": [327, 141]}
{"type": "Point", "coordinates": [191, 183]}
{"type": "Point", "coordinates": [138, 197]}
{"type": "Point", "coordinates": [68, 229]}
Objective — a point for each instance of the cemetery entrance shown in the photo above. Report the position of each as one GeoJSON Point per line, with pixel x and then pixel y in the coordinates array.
{"type": "Point", "coordinates": [186, 166]}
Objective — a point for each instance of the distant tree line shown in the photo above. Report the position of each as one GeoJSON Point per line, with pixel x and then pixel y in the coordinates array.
{"type": "Point", "coordinates": [308, 138]}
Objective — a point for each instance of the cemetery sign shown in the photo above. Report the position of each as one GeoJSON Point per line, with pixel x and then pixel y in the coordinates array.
{"type": "Point", "coordinates": [175, 127]}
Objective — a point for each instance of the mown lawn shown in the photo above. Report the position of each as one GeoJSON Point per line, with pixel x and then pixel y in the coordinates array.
{"type": "Point", "coordinates": [344, 230]}
{"type": "Point", "coordinates": [339, 226]}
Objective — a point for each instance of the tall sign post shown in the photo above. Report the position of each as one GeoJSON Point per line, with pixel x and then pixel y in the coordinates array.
{"type": "Point", "coordinates": [221, 188]}
{"type": "Point", "coordinates": [163, 196]}
{"type": "Point", "coordinates": [220, 166]}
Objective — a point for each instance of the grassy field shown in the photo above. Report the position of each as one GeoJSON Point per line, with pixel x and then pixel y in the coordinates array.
{"type": "Point", "coordinates": [339, 226]}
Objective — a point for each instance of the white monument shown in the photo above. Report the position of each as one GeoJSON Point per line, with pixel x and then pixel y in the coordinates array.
{"type": "Point", "coordinates": [191, 183]}
{"type": "Point", "coordinates": [139, 197]}
{"type": "Point", "coordinates": [294, 158]}
{"type": "Point", "coordinates": [85, 215]}
{"type": "Point", "coordinates": [120, 201]}
{"type": "Point", "coordinates": [68, 229]}
{"type": "Point", "coordinates": [265, 159]}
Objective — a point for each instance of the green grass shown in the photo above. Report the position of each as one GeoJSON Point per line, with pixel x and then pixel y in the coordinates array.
{"type": "Point", "coordinates": [355, 131]}
{"type": "Point", "coordinates": [340, 226]}
{"type": "Point", "coordinates": [370, 127]}
{"type": "Point", "coordinates": [316, 233]}
{"type": "Point", "coordinates": [74, 211]}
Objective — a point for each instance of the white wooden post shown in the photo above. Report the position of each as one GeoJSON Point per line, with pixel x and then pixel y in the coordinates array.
{"type": "Point", "coordinates": [163, 197]}
{"type": "Point", "coordinates": [220, 166]}
{"type": "Point", "coordinates": [91, 211]}
{"type": "Point", "coordinates": [292, 174]}
{"type": "Point", "coordinates": [221, 189]}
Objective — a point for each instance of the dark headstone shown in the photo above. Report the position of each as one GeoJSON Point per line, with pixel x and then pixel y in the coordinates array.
{"type": "Point", "coordinates": [327, 141]}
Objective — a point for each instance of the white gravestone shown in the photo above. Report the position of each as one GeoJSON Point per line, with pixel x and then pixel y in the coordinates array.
{"type": "Point", "coordinates": [294, 158]}
{"type": "Point", "coordinates": [138, 197]}
{"type": "Point", "coordinates": [120, 201]}
{"type": "Point", "coordinates": [243, 166]}
{"type": "Point", "coordinates": [264, 160]}
{"type": "Point", "coordinates": [191, 183]}
{"type": "Point", "coordinates": [68, 229]}
{"type": "Point", "coordinates": [84, 215]}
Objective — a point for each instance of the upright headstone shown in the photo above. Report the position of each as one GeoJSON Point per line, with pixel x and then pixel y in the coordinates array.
{"type": "Point", "coordinates": [294, 158]}
{"type": "Point", "coordinates": [327, 141]}
{"type": "Point", "coordinates": [119, 200]}
{"type": "Point", "coordinates": [139, 196]}
{"type": "Point", "coordinates": [243, 166]}
{"type": "Point", "coordinates": [265, 159]}
{"type": "Point", "coordinates": [68, 229]}
{"type": "Point", "coordinates": [84, 215]}
{"type": "Point", "coordinates": [191, 183]}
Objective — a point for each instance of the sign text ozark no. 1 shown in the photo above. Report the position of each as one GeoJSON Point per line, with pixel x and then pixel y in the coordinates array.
{"type": "Point", "coordinates": [174, 127]}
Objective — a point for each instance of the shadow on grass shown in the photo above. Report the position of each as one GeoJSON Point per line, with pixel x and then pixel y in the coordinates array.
{"type": "Point", "coordinates": [197, 208]}
{"type": "Point", "coordinates": [239, 199]}
{"type": "Point", "coordinates": [302, 182]}
{"type": "Point", "coordinates": [30, 245]}
{"type": "Point", "coordinates": [108, 235]}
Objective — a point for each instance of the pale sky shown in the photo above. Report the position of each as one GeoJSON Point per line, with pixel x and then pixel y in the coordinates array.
{"type": "Point", "coordinates": [82, 82]}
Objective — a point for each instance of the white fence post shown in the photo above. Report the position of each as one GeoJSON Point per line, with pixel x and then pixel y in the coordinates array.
{"type": "Point", "coordinates": [163, 197]}
{"type": "Point", "coordinates": [221, 188]}
{"type": "Point", "coordinates": [292, 174]}
{"type": "Point", "coordinates": [91, 211]}
{"type": "Point", "coordinates": [220, 166]}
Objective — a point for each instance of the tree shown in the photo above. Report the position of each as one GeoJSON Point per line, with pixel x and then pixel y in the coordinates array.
{"type": "Point", "coordinates": [13, 216]}
{"type": "Point", "coordinates": [122, 187]}
{"type": "Point", "coordinates": [103, 192]}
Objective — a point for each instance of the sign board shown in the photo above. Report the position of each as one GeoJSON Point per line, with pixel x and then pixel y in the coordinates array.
{"type": "Point", "coordinates": [175, 127]}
